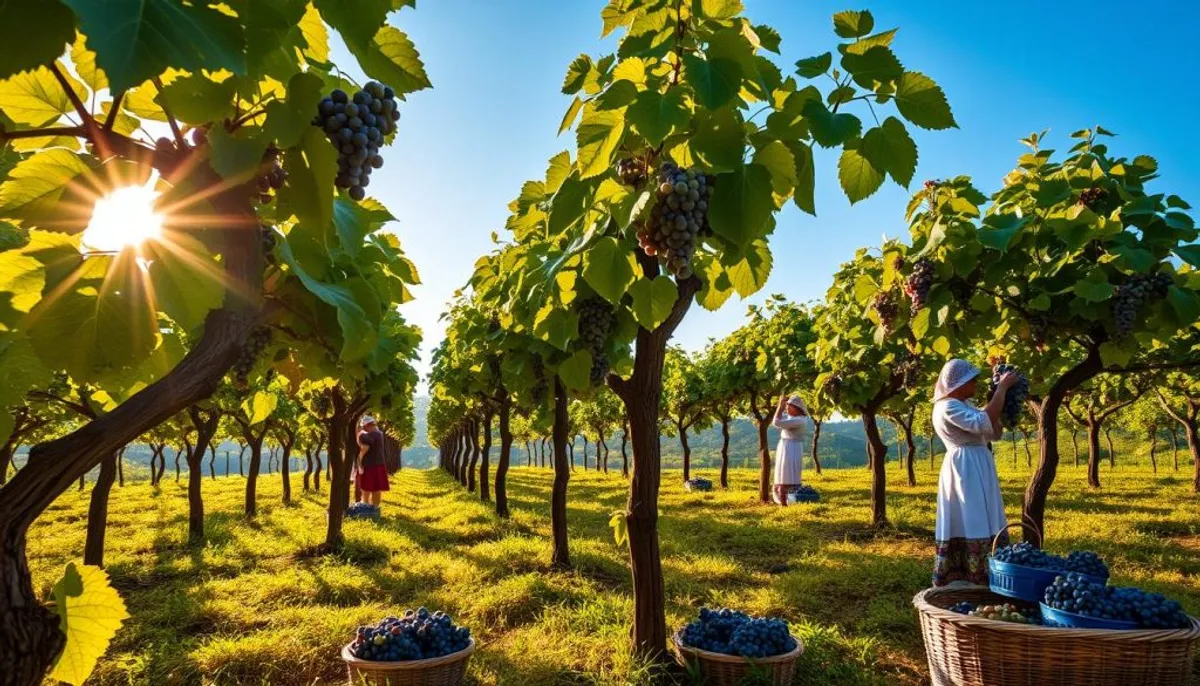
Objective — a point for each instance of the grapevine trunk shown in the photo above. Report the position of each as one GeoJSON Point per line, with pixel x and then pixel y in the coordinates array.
{"type": "Point", "coordinates": [560, 556]}
{"type": "Point", "coordinates": [878, 463]}
{"type": "Point", "coordinates": [764, 461]}
{"type": "Point", "coordinates": [725, 452]}
{"type": "Point", "coordinates": [97, 523]}
{"type": "Point", "coordinates": [816, 444]}
{"type": "Point", "coordinates": [484, 456]}
{"type": "Point", "coordinates": [687, 451]}
{"type": "Point", "coordinates": [506, 440]}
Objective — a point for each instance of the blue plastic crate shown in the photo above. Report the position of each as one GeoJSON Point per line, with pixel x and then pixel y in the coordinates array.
{"type": "Point", "coordinates": [1052, 617]}
{"type": "Point", "coordinates": [1024, 583]}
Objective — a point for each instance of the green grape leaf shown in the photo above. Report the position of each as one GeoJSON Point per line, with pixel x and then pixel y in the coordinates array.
{"type": "Point", "coordinates": [183, 289]}
{"type": "Point", "coordinates": [889, 148]}
{"type": "Point", "coordinates": [21, 370]}
{"type": "Point", "coordinates": [714, 82]}
{"type": "Point", "coordinates": [556, 326]}
{"type": "Point", "coordinates": [999, 230]}
{"type": "Point", "coordinates": [859, 178]}
{"type": "Point", "coordinates": [806, 177]}
{"type": "Point", "coordinates": [852, 24]}
{"type": "Point", "coordinates": [41, 28]}
{"type": "Point", "coordinates": [311, 167]}
{"type": "Point", "coordinates": [569, 205]}
{"type": "Point", "coordinates": [1185, 303]}
{"type": "Point", "coordinates": [197, 100]}
{"type": "Point", "coordinates": [391, 58]}
{"type": "Point", "coordinates": [830, 130]}
{"type": "Point", "coordinates": [90, 612]}
{"type": "Point", "coordinates": [750, 274]}
{"type": "Point", "coordinates": [598, 135]}
{"type": "Point", "coordinates": [776, 158]}
{"type": "Point", "coordinates": [6, 421]}
{"type": "Point", "coordinates": [876, 65]}
{"type": "Point", "coordinates": [135, 40]}
{"type": "Point", "coordinates": [35, 97]}
{"type": "Point", "coordinates": [741, 204]}
{"type": "Point", "coordinates": [84, 61]}
{"type": "Point", "coordinates": [720, 9]}
{"type": "Point", "coordinates": [620, 528]}
{"type": "Point", "coordinates": [260, 406]}
{"type": "Point", "coordinates": [356, 20]}
{"type": "Point", "coordinates": [920, 323]}
{"type": "Point", "coordinates": [653, 300]}
{"type": "Point", "coordinates": [359, 332]}
{"type": "Point", "coordinates": [812, 67]}
{"type": "Point", "coordinates": [718, 140]}
{"type": "Point", "coordinates": [288, 120]}
{"type": "Point", "coordinates": [315, 35]}
{"type": "Point", "coordinates": [37, 184]}
{"type": "Point", "coordinates": [272, 35]}
{"type": "Point", "coordinates": [619, 94]}
{"type": "Point", "coordinates": [577, 73]}
{"type": "Point", "coordinates": [655, 116]}
{"type": "Point", "coordinates": [631, 69]}
{"type": "Point", "coordinates": [576, 371]}
{"type": "Point", "coordinates": [922, 102]}
{"type": "Point", "coordinates": [609, 269]}
{"type": "Point", "coordinates": [768, 38]}
{"type": "Point", "coordinates": [572, 113]}
{"type": "Point", "coordinates": [1094, 288]}
{"type": "Point", "coordinates": [1189, 254]}
{"type": "Point", "coordinates": [236, 157]}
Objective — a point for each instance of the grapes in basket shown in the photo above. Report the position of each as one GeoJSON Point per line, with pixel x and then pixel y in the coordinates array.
{"type": "Point", "coordinates": [736, 633]}
{"type": "Point", "coordinates": [1086, 562]}
{"type": "Point", "coordinates": [1079, 595]}
{"type": "Point", "coordinates": [363, 510]}
{"type": "Point", "coordinates": [1006, 612]}
{"type": "Point", "coordinates": [1027, 555]}
{"type": "Point", "coordinates": [418, 635]}
{"type": "Point", "coordinates": [963, 607]}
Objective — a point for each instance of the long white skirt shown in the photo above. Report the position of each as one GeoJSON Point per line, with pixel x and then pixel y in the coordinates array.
{"type": "Point", "coordinates": [789, 462]}
{"type": "Point", "coordinates": [969, 502]}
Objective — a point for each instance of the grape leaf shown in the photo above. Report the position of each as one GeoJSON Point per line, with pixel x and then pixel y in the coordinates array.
{"type": "Point", "coordinates": [812, 67]}
{"type": "Point", "coordinates": [359, 333]}
{"type": "Point", "coordinates": [714, 82]}
{"type": "Point", "coordinates": [741, 203]}
{"type": "Point", "coordinates": [84, 61]}
{"type": "Point", "coordinates": [655, 116]}
{"type": "Point", "coordinates": [183, 289]}
{"type": "Point", "coordinates": [859, 178]}
{"type": "Point", "coordinates": [37, 184]}
{"type": "Point", "coordinates": [577, 73]}
{"type": "Point", "coordinates": [806, 178]}
{"type": "Point", "coordinates": [718, 140]}
{"type": "Point", "coordinates": [260, 406]}
{"type": "Point", "coordinates": [36, 98]}
{"type": "Point", "coordinates": [922, 102]}
{"type": "Point", "coordinates": [90, 612]}
{"type": "Point", "coordinates": [576, 370]}
{"type": "Point", "coordinates": [235, 156]}
{"type": "Point", "coordinates": [878, 64]}
{"type": "Point", "coordinates": [609, 269]}
{"type": "Point", "coordinates": [776, 158]}
{"type": "Point", "coordinates": [830, 130]}
{"type": "Point", "coordinates": [391, 58]}
{"type": "Point", "coordinates": [653, 300]}
{"type": "Point", "coordinates": [40, 28]}
{"type": "Point", "coordinates": [852, 24]}
{"type": "Point", "coordinates": [598, 134]}
{"type": "Point", "coordinates": [288, 120]}
{"type": "Point", "coordinates": [308, 193]}
{"type": "Point", "coordinates": [889, 148]}
{"type": "Point", "coordinates": [135, 40]}
{"type": "Point", "coordinates": [197, 99]}
{"type": "Point", "coordinates": [750, 273]}
{"type": "Point", "coordinates": [356, 20]}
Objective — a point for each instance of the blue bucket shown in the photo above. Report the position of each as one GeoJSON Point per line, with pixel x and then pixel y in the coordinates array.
{"type": "Point", "coordinates": [1062, 618]}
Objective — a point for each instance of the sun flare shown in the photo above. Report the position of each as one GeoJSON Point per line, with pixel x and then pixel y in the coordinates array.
{"type": "Point", "coordinates": [125, 218]}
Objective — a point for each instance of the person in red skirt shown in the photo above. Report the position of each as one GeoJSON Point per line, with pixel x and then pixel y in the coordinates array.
{"type": "Point", "coordinates": [372, 471]}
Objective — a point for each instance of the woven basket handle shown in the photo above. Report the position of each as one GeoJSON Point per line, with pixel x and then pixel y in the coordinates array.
{"type": "Point", "coordinates": [1025, 520]}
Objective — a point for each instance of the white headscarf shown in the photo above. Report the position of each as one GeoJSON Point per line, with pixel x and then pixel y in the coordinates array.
{"type": "Point", "coordinates": [796, 402]}
{"type": "Point", "coordinates": [954, 374]}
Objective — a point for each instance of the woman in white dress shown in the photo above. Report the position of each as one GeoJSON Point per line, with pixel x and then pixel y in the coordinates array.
{"type": "Point", "coordinates": [970, 509]}
{"type": "Point", "coordinates": [791, 418]}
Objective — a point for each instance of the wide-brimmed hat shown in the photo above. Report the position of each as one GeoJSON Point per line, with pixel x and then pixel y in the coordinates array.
{"type": "Point", "coordinates": [798, 403]}
{"type": "Point", "coordinates": [954, 374]}
{"type": "Point", "coordinates": [366, 419]}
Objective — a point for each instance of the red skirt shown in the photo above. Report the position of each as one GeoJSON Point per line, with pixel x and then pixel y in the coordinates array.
{"type": "Point", "coordinates": [373, 479]}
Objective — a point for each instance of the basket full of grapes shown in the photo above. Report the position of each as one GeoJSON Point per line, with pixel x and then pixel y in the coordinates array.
{"type": "Point", "coordinates": [363, 511]}
{"type": "Point", "coordinates": [698, 484]}
{"type": "Point", "coordinates": [420, 648]}
{"type": "Point", "coordinates": [1024, 571]}
{"type": "Point", "coordinates": [803, 494]}
{"type": "Point", "coordinates": [1075, 601]}
{"type": "Point", "coordinates": [723, 647]}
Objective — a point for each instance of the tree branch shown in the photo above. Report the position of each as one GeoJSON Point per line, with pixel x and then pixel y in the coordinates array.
{"type": "Point", "coordinates": [162, 100]}
{"type": "Point", "coordinates": [78, 408]}
{"type": "Point", "coordinates": [85, 117]}
{"type": "Point", "coordinates": [113, 111]}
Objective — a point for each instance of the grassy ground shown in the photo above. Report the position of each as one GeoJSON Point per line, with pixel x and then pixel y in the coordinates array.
{"type": "Point", "coordinates": [250, 608]}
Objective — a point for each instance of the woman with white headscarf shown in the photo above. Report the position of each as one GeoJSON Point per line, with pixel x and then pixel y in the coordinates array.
{"type": "Point", "coordinates": [970, 510]}
{"type": "Point", "coordinates": [791, 418]}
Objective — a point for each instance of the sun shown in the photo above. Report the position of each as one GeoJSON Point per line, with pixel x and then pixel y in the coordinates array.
{"type": "Point", "coordinates": [125, 218]}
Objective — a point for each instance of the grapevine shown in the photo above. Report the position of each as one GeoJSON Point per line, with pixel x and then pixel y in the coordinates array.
{"type": "Point", "coordinates": [909, 371]}
{"type": "Point", "coordinates": [887, 309]}
{"type": "Point", "coordinates": [271, 177]}
{"type": "Point", "coordinates": [679, 218]}
{"type": "Point", "coordinates": [596, 320]}
{"type": "Point", "coordinates": [357, 125]}
{"type": "Point", "coordinates": [1014, 400]}
{"type": "Point", "coordinates": [918, 283]}
{"type": "Point", "coordinates": [1131, 295]}
{"type": "Point", "coordinates": [631, 171]}
{"type": "Point", "coordinates": [256, 343]}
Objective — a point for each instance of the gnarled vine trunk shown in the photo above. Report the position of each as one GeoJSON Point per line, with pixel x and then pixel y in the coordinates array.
{"type": "Point", "coordinates": [687, 450]}
{"type": "Point", "coordinates": [484, 456]}
{"type": "Point", "coordinates": [342, 454]}
{"type": "Point", "coordinates": [97, 522]}
{"type": "Point", "coordinates": [560, 555]}
{"type": "Point", "coordinates": [254, 443]}
{"type": "Point", "coordinates": [816, 444]}
{"type": "Point", "coordinates": [206, 429]}
{"type": "Point", "coordinates": [725, 451]}
{"type": "Point", "coordinates": [1093, 464]}
{"type": "Point", "coordinates": [624, 451]}
{"type": "Point", "coordinates": [764, 461]}
{"type": "Point", "coordinates": [506, 440]}
{"type": "Point", "coordinates": [474, 438]}
{"type": "Point", "coordinates": [878, 461]}
{"type": "Point", "coordinates": [1153, 446]}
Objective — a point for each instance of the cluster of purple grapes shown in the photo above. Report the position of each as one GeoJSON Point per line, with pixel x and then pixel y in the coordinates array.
{"type": "Point", "coordinates": [256, 343]}
{"type": "Point", "coordinates": [1014, 400]}
{"type": "Point", "coordinates": [1078, 594]}
{"type": "Point", "coordinates": [909, 370]}
{"type": "Point", "coordinates": [918, 283]}
{"type": "Point", "coordinates": [271, 177]}
{"type": "Point", "coordinates": [1132, 294]}
{"type": "Point", "coordinates": [418, 635]}
{"type": "Point", "coordinates": [1078, 561]}
{"type": "Point", "coordinates": [596, 320]}
{"type": "Point", "coordinates": [736, 633]}
{"type": "Point", "coordinates": [679, 218]}
{"type": "Point", "coordinates": [885, 306]}
{"type": "Point", "coordinates": [1093, 198]}
{"type": "Point", "coordinates": [357, 125]}
{"type": "Point", "coordinates": [631, 171]}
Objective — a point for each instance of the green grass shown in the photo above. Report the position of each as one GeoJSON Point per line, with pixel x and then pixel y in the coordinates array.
{"type": "Point", "coordinates": [250, 607]}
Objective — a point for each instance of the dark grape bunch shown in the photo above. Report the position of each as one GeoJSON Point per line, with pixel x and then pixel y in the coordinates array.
{"type": "Point", "coordinates": [322, 406]}
{"type": "Point", "coordinates": [256, 343]}
{"type": "Point", "coordinates": [679, 218]}
{"type": "Point", "coordinates": [833, 385]}
{"type": "Point", "coordinates": [596, 320]}
{"type": "Point", "coordinates": [736, 633]}
{"type": "Point", "coordinates": [418, 635]}
{"type": "Point", "coordinates": [1006, 612]}
{"type": "Point", "coordinates": [699, 484]}
{"type": "Point", "coordinates": [356, 125]}
{"type": "Point", "coordinates": [885, 306]}
{"type": "Point", "coordinates": [1026, 555]}
{"type": "Point", "coordinates": [1130, 296]}
{"type": "Point", "coordinates": [1014, 401]}
{"type": "Point", "coordinates": [1093, 198]}
{"type": "Point", "coordinates": [631, 171]}
{"type": "Point", "coordinates": [272, 175]}
{"type": "Point", "coordinates": [269, 241]}
{"type": "Point", "coordinates": [909, 370]}
{"type": "Point", "coordinates": [1077, 594]}
{"type": "Point", "coordinates": [1086, 562]}
{"type": "Point", "coordinates": [963, 607]}
{"type": "Point", "coordinates": [918, 283]}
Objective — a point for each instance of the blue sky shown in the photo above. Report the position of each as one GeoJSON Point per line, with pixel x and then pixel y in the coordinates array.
{"type": "Point", "coordinates": [1008, 69]}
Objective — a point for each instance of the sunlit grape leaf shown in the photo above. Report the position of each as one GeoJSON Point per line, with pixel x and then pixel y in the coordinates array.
{"type": "Point", "coordinates": [717, 289]}
{"type": "Point", "coordinates": [806, 178]}
{"type": "Point", "coordinates": [741, 203]}
{"type": "Point", "coordinates": [186, 281]}
{"type": "Point", "coordinates": [609, 269]}
{"type": "Point", "coordinates": [260, 406]}
{"type": "Point", "coordinates": [555, 325]}
{"type": "Point", "coordinates": [620, 528]}
{"type": "Point", "coordinates": [853, 24]}
{"type": "Point", "coordinates": [653, 300]}
{"type": "Point", "coordinates": [288, 120]}
{"type": "Point", "coordinates": [391, 58]}
{"type": "Point", "coordinates": [922, 102]}
{"type": "Point", "coordinates": [84, 61]}
{"type": "Point", "coordinates": [718, 140]}
{"type": "Point", "coordinates": [311, 170]}
{"type": "Point", "coordinates": [37, 184]}
{"type": "Point", "coordinates": [576, 370]}
{"type": "Point", "coordinates": [859, 178]}
{"type": "Point", "coordinates": [715, 82]}
{"type": "Point", "coordinates": [197, 99]}
{"type": "Point", "coordinates": [90, 612]}
{"type": "Point", "coordinates": [36, 98]}
{"type": "Point", "coordinates": [237, 156]}
{"type": "Point", "coordinates": [135, 40]}
{"type": "Point", "coordinates": [655, 116]}
{"type": "Point", "coordinates": [777, 159]}
{"type": "Point", "coordinates": [889, 148]}
{"type": "Point", "coordinates": [358, 332]}
{"type": "Point", "coordinates": [812, 67]}
{"type": "Point", "coordinates": [750, 274]}
{"type": "Point", "coordinates": [33, 33]}
{"type": "Point", "coordinates": [598, 134]}
{"type": "Point", "coordinates": [828, 129]}
{"type": "Point", "coordinates": [20, 369]}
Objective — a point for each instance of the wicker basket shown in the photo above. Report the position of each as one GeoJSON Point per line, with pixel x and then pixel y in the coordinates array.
{"type": "Point", "coordinates": [973, 651]}
{"type": "Point", "coordinates": [447, 670]}
{"type": "Point", "coordinates": [719, 669]}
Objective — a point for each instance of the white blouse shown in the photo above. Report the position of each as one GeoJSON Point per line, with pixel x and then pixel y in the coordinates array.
{"type": "Point", "coordinates": [791, 428]}
{"type": "Point", "coordinates": [960, 424]}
